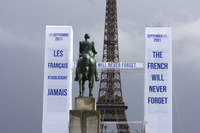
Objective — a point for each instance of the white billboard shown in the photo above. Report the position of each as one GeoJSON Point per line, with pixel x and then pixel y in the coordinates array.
{"type": "Point", "coordinates": [158, 80]}
{"type": "Point", "coordinates": [57, 79]}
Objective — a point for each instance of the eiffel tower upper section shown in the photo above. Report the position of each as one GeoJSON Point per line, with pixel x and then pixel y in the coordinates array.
{"type": "Point", "coordinates": [110, 91]}
{"type": "Point", "coordinates": [110, 99]}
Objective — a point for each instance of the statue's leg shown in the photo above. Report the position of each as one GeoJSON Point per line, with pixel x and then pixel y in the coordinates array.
{"type": "Point", "coordinates": [76, 75]}
{"type": "Point", "coordinates": [78, 69]}
{"type": "Point", "coordinates": [83, 88]}
{"type": "Point", "coordinates": [96, 73]}
{"type": "Point", "coordinates": [91, 88]}
{"type": "Point", "coordinates": [80, 86]}
{"type": "Point", "coordinates": [87, 60]}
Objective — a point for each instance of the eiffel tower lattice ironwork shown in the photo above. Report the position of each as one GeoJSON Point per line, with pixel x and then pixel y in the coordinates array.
{"type": "Point", "coordinates": [110, 100]}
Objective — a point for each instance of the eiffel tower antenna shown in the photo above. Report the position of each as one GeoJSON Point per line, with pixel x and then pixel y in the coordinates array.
{"type": "Point", "coordinates": [110, 99]}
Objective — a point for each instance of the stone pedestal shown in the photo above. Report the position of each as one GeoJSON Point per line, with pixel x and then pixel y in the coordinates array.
{"type": "Point", "coordinates": [85, 118]}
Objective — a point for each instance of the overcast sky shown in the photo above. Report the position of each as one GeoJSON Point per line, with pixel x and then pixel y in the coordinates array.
{"type": "Point", "coordinates": [22, 41]}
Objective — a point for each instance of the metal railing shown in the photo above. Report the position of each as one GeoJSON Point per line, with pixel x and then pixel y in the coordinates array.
{"type": "Point", "coordinates": [110, 127]}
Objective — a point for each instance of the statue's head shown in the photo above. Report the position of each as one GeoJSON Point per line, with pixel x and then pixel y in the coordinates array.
{"type": "Point", "coordinates": [87, 36]}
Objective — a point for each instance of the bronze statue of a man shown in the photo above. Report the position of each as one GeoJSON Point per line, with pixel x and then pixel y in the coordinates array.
{"type": "Point", "coordinates": [86, 66]}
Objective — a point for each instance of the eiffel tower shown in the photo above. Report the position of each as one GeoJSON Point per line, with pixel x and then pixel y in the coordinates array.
{"type": "Point", "coordinates": [110, 100]}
